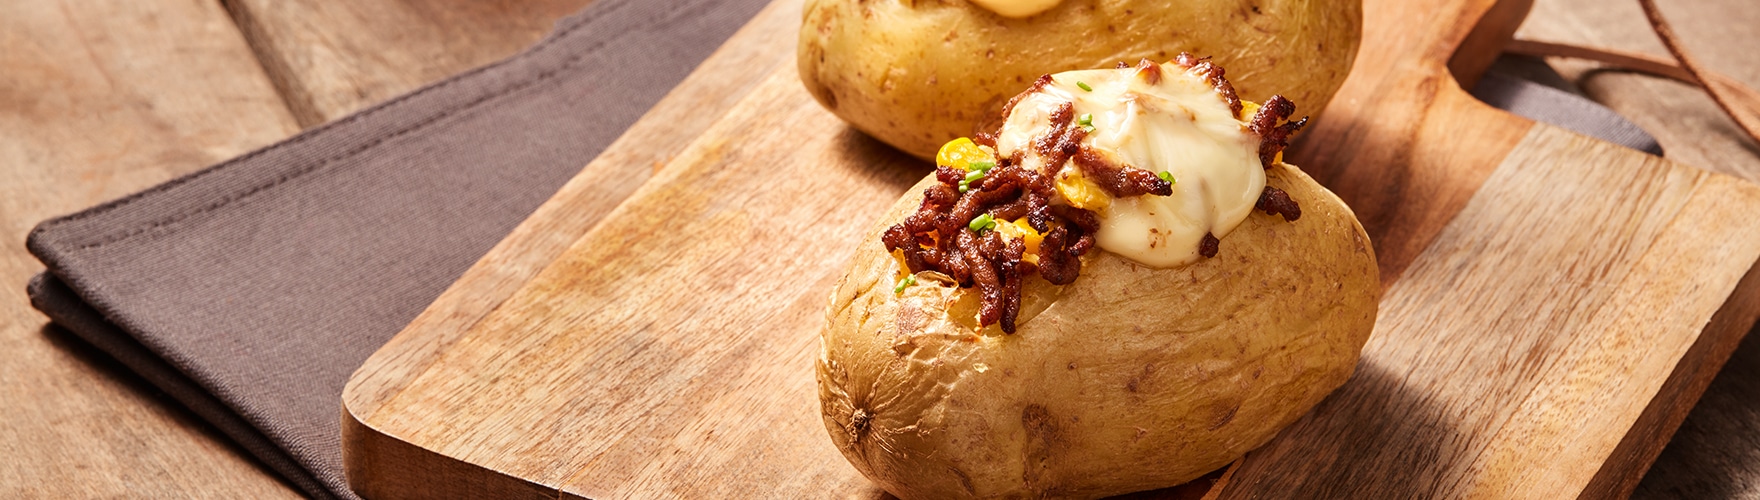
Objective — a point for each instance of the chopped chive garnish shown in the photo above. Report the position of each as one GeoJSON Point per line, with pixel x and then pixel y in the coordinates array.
{"type": "Point", "coordinates": [1167, 177]}
{"type": "Point", "coordinates": [1087, 122]}
{"type": "Point", "coordinates": [982, 223]}
{"type": "Point", "coordinates": [975, 174]}
{"type": "Point", "coordinates": [1088, 129]}
{"type": "Point", "coordinates": [980, 165]}
{"type": "Point", "coordinates": [909, 279]}
{"type": "Point", "coordinates": [1084, 86]}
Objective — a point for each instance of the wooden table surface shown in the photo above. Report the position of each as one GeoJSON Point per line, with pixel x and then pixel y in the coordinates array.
{"type": "Point", "coordinates": [101, 98]}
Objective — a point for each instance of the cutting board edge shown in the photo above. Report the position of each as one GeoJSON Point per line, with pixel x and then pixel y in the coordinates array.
{"type": "Point", "coordinates": [1716, 344]}
{"type": "Point", "coordinates": [378, 466]}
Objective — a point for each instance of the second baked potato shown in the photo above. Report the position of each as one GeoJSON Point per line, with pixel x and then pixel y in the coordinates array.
{"type": "Point", "coordinates": [918, 73]}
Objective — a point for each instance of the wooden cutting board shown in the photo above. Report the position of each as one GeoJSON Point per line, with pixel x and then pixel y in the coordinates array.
{"type": "Point", "coordinates": [1554, 304]}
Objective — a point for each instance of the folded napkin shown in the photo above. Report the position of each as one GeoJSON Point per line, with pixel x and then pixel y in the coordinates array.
{"type": "Point", "coordinates": [1528, 87]}
{"type": "Point", "coordinates": [250, 291]}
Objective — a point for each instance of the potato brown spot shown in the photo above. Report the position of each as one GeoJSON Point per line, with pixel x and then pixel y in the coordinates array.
{"type": "Point", "coordinates": [1226, 416]}
{"type": "Point", "coordinates": [1043, 435]}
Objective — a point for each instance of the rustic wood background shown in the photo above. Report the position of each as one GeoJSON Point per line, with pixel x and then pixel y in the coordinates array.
{"type": "Point", "coordinates": [101, 98]}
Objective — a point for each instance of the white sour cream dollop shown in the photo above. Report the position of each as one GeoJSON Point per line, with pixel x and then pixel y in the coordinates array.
{"type": "Point", "coordinates": [1176, 123]}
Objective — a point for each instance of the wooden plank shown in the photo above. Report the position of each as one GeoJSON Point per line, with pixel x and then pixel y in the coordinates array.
{"type": "Point", "coordinates": [1379, 144]}
{"type": "Point", "coordinates": [698, 102]}
{"type": "Point", "coordinates": [1711, 456]}
{"type": "Point", "coordinates": [607, 374]}
{"type": "Point", "coordinates": [331, 58]}
{"type": "Point", "coordinates": [1682, 136]}
{"type": "Point", "coordinates": [1630, 347]}
{"type": "Point", "coordinates": [697, 397]}
{"type": "Point", "coordinates": [99, 99]}
{"type": "Point", "coordinates": [1639, 449]}
{"type": "Point", "coordinates": [1506, 347]}
{"type": "Point", "coordinates": [752, 375]}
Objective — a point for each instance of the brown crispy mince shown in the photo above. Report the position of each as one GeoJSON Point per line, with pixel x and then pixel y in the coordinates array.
{"type": "Point", "coordinates": [938, 236]}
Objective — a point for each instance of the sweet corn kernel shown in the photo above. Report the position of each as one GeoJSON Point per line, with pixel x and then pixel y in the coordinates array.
{"type": "Point", "coordinates": [903, 268]}
{"type": "Point", "coordinates": [1250, 108]}
{"type": "Point", "coordinates": [1019, 229]}
{"type": "Point", "coordinates": [1081, 193]}
{"type": "Point", "coordinates": [961, 153]}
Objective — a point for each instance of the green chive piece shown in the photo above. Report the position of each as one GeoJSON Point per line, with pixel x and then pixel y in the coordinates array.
{"type": "Point", "coordinates": [971, 177]}
{"type": "Point", "coordinates": [980, 166]}
{"type": "Point", "coordinates": [1088, 128]}
{"type": "Point", "coordinates": [982, 223]}
{"type": "Point", "coordinates": [1166, 176]}
{"type": "Point", "coordinates": [909, 279]}
{"type": "Point", "coordinates": [1084, 86]}
{"type": "Point", "coordinates": [1087, 119]}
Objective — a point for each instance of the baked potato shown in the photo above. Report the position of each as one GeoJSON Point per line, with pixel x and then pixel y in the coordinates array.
{"type": "Point", "coordinates": [1147, 367]}
{"type": "Point", "coordinates": [916, 74]}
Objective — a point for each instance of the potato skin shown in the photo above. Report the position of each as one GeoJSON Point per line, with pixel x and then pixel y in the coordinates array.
{"type": "Point", "coordinates": [1132, 379]}
{"type": "Point", "coordinates": [918, 73]}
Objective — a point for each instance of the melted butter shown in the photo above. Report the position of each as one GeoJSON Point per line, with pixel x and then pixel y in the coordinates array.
{"type": "Point", "coordinates": [1016, 8]}
{"type": "Point", "coordinates": [1178, 125]}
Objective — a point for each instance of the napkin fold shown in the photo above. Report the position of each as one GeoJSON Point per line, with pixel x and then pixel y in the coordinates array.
{"type": "Point", "coordinates": [251, 290]}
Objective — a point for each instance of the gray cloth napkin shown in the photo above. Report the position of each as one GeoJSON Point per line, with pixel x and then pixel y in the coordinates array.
{"type": "Point", "coordinates": [1528, 87]}
{"type": "Point", "coordinates": [251, 290]}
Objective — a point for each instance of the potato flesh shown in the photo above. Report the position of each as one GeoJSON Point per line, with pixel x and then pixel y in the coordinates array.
{"type": "Point", "coordinates": [918, 74]}
{"type": "Point", "coordinates": [1132, 379]}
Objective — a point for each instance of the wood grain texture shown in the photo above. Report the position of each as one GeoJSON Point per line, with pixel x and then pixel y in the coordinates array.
{"type": "Point", "coordinates": [665, 351]}
{"type": "Point", "coordinates": [92, 107]}
{"type": "Point", "coordinates": [1484, 44]}
{"type": "Point", "coordinates": [1657, 421]}
{"type": "Point", "coordinates": [692, 421]}
{"type": "Point", "coordinates": [377, 461]}
{"type": "Point", "coordinates": [638, 368]}
{"type": "Point", "coordinates": [1692, 376]}
{"type": "Point", "coordinates": [1388, 144]}
{"type": "Point", "coordinates": [1506, 364]}
{"type": "Point", "coordinates": [1713, 453]}
{"type": "Point", "coordinates": [331, 58]}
